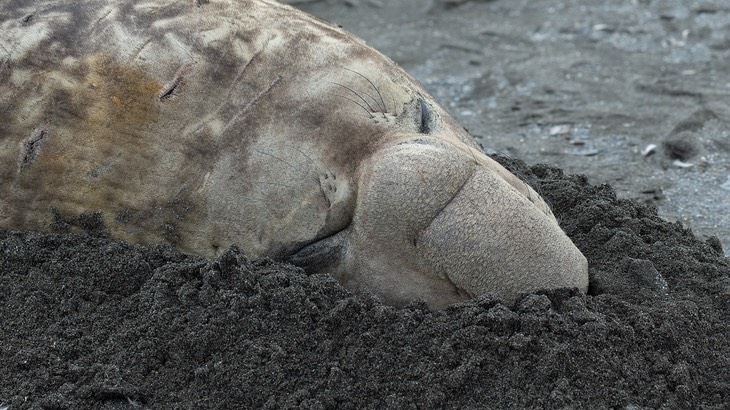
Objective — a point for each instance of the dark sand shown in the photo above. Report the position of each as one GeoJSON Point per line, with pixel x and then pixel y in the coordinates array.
{"type": "Point", "coordinates": [92, 323]}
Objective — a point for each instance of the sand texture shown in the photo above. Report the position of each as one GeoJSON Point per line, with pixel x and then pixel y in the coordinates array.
{"type": "Point", "coordinates": [91, 323]}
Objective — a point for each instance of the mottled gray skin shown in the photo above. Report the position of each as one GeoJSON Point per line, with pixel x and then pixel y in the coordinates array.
{"type": "Point", "coordinates": [211, 123]}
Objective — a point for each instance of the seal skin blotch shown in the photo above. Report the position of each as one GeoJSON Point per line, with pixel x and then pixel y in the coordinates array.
{"type": "Point", "coordinates": [247, 122]}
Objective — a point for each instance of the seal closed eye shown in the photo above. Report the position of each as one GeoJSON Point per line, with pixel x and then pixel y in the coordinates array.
{"type": "Point", "coordinates": [425, 125]}
{"type": "Point", "coordinates": [248, 122]}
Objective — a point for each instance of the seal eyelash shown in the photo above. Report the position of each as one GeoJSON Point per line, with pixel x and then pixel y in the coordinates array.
{"type": "Point", "coordinates": [395, 106]}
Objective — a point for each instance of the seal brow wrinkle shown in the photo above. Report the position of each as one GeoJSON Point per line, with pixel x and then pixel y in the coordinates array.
{"type": "Point", "coordinates": [253, 102]}
{"type": "Point", "coordinates": [102, 18]}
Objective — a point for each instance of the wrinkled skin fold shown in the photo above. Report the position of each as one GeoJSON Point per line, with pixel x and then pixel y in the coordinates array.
{"type": "Point", "coordinates": [250, 123]}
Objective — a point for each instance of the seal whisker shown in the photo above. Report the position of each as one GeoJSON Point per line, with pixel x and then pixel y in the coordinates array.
{"type": "Point", "coordinates": [383, 108]}
{"type": "Point", "coordinates": [473, 156]}
{"type": "Point", "coordinates": [370, 115]}
{"type": "Point", "coordinates": [279, 159]}
{"type": "Point", "coordinates": [326, 170]}
{"type": "Point", "coordinates": [279, 184]}
{"type": "Point", "coordinates": [359, 96]}
{"type": "Point", "coordinates": [101, 18]}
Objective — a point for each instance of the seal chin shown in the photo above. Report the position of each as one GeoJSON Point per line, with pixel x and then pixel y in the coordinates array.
{"type": "Point", "coordinates": [435, 222]}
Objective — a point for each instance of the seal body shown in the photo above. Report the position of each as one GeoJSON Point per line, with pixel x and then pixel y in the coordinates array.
{"type": "Point", "coordinates": [247, 122]}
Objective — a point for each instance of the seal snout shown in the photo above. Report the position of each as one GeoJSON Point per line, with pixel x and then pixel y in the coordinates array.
{"type": "Point", "coordinates": [435, 217]}
{"type": "Point", "coordinates": [508, 246]}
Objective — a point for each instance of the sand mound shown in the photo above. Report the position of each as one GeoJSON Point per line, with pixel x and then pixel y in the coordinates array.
{"type": "Point", "coordinates": [89, 322]}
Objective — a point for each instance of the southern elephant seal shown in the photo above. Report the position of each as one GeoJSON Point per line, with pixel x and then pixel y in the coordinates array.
{"type": "Point", "coordinates": [211, 123]}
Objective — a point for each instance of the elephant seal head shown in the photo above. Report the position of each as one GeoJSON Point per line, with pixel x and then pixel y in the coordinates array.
{"type": "Point", "coordinates": [247, 122]}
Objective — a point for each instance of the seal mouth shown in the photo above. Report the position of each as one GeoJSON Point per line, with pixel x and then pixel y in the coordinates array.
{"type": "Point", "coordinates": [318, 254]}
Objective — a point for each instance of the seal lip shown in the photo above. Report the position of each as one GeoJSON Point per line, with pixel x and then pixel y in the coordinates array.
{"type": "Point", "coordinates": [318, 254]}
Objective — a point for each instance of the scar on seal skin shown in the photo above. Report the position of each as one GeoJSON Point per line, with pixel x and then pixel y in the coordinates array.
{"type": "Point", "coordinates": [31, 148]}
{"type": "Point", "coordinates": [210, 123]}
